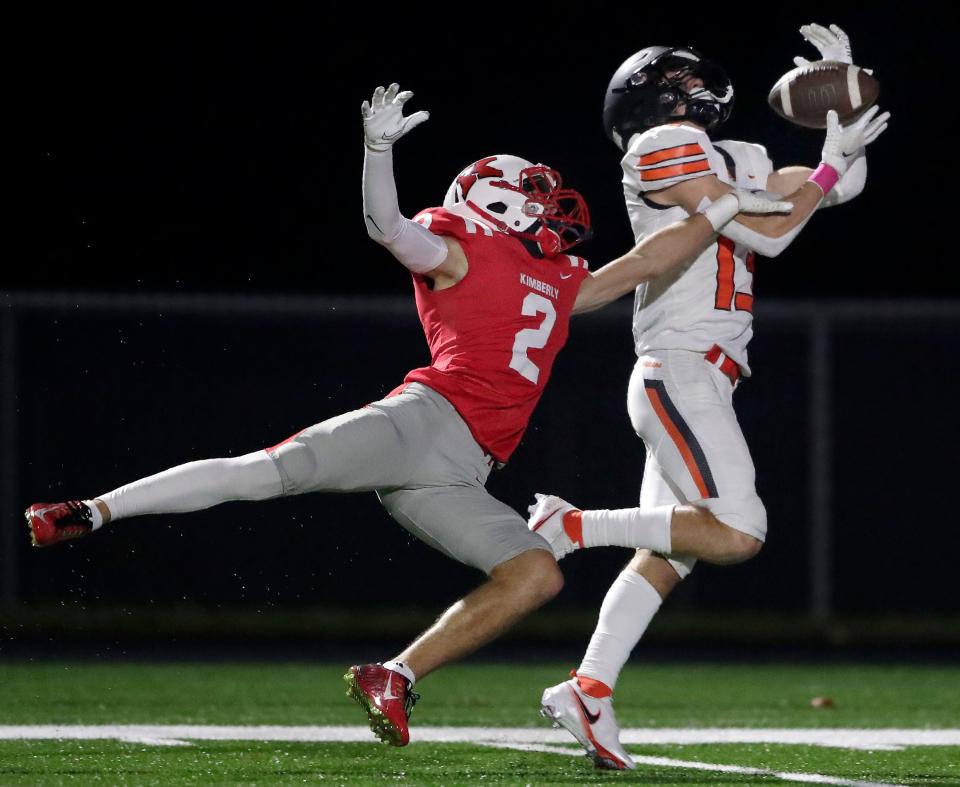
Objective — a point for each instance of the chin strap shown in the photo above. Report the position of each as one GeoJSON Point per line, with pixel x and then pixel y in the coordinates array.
{"type": "Point", "coordinates": [498, 223]}
{"type": "Point", "coordinates": [546, 239]}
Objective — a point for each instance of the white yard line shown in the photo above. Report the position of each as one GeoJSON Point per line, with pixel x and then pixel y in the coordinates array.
{"type": "Point", "coordinates": [145, 740]}
{"type": "Point", "coordinates": [840, 738]}
{"type": "Point", "coordinates": [669, 762]}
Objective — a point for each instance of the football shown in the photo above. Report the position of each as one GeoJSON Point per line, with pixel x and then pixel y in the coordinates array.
{"type": "Point", "coordinates": [804, 95]}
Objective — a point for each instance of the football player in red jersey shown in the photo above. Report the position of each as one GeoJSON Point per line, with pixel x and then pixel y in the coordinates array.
{"type": "Point", "coordinates": [494, 290]}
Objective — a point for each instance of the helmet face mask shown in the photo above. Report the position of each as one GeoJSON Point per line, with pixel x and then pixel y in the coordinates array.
{"type": "Point", "coordinates": [522, 199]}
{"type": "Point", "coordinates": [652, 87]}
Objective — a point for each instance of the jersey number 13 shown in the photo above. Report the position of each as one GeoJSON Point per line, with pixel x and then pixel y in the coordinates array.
{"type": "Point", "coordinates": [728, 298]}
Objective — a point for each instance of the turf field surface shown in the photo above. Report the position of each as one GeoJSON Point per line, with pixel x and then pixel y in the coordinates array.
{"type": "Point", "coordinates": [750, 703]}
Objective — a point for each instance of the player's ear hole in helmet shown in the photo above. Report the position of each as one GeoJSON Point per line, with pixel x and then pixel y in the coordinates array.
{"type": "Point", "coordinates": [526, 200]}
{"type": "Point", "coordinates": [661, 83]}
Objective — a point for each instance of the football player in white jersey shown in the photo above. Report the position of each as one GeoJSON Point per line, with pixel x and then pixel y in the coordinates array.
{"type": "Point", "coordinates": [691, 328]}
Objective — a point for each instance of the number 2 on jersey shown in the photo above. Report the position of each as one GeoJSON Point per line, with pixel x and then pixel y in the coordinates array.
{"type": "Point", "coordinates": [727, 296]}
{"type": "Point", "coordinates": [532, 338]}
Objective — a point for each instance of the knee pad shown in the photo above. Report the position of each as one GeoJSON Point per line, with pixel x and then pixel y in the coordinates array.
{"type": "Point", "coordinates": [297, 465]}
{"type": "Point", "coordinates": [254, 476]}
{"type": "Point", "coordinates": [747, 514]}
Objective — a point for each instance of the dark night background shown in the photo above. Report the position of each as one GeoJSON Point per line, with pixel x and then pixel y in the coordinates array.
{"type": "Point", "coordinates": [221, 151]}
{"type": "Point", "coordinates": [215, 152]}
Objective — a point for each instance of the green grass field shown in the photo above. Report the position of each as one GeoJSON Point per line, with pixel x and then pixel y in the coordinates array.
{"type": "Point", "coordinates": [693, 696]}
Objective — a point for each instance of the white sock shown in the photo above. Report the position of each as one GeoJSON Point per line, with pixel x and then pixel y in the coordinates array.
{"type": "Point", "coordinates": [640, 528]}
{"type": "Point", "coordinates": [402, 668]}
{"type": "Point", "coordinates": [197, 485]}
{"type": "Point", "coordinates": [96, 518]}
{"type": "Point", "coordinates": [626, 612]}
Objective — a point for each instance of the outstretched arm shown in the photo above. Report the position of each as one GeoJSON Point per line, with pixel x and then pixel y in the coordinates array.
{"type": "Point", "coordinates": [667, 249]}
{"type": "Point", "coordinates": [769, 235]}
{"type": "Point", "coordinates": [851, 183]}
{"type": "Point", "coordinates": [418, 249]}
{"type": "Point", "coordinates": [841, 156]}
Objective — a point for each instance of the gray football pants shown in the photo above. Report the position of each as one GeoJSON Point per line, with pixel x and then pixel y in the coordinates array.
{"type": "Point", "coordinates": [413, 449]}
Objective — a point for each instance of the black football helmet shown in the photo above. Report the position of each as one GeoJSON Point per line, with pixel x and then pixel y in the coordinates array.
{"type": "Point", "coordinates": [641, 95]}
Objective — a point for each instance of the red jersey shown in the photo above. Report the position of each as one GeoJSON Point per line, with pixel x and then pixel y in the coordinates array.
{"type": "Point", "coordinates": [494, 335]}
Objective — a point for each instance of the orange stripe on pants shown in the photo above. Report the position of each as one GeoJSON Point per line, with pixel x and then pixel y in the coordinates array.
{"type": "Point", "coordinates": [678, 440]}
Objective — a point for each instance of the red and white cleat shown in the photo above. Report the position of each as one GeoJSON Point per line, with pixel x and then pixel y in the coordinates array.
{"type": "Point", "coordinates": [590, 720]}
{"type": "Point", "coordinates": [51, 523]}
{"type": "Point", "coordinates": [386, 697]}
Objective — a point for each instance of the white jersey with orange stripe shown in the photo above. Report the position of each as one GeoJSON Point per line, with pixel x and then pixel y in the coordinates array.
{"type": "Point", "coordinates": [709, 301]}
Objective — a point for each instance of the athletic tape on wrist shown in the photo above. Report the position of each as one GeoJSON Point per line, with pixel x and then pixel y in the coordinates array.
{"type": "Point", "coordinates": [722, 211]}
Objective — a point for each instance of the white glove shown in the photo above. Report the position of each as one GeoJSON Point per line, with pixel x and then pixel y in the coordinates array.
{"type": "Point", "coordinates": [722, 212]}
{"type": "Point", "coordinates": [865, 130]}
{"type": "Point", "coordinates": [832, 43]}
{"type": "Point", "coordinates": [752, 202]}
{"type": "Point", "coordinates": [832, 152]}
{"type": "Point", "coordinates": [842, 142]}
{"type": "Point", "coordinates": [383, 120]}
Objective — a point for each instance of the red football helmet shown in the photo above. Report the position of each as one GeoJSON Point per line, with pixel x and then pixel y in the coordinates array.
{"type": "Point", "coordinates": [526, 200]}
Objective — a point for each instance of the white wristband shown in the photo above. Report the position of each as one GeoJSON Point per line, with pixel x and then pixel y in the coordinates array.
{"type": "Point", "coordinates": [719, 213]}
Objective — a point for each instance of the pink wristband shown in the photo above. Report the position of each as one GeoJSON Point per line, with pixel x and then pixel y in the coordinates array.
{"type": "Point", "coordinates": [825, 177]}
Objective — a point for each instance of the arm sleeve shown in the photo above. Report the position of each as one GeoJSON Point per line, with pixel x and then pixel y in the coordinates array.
{"type": "Point", "coordinates": [750, 167]}
{"type": "Point", "coordinates": [412, 244]}
{"type": "Point", "coordinates": [851, 184]}
{"type": "Point", "coordinates": [755, 241]}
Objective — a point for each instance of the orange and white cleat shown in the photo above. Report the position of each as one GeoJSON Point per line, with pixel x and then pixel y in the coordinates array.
{"type": "Point", "coordinates": [51, 523]}
{"type": "Point", "coordinates": [386, 697]}
{"type": "Point", "coordinates": [590, 720]}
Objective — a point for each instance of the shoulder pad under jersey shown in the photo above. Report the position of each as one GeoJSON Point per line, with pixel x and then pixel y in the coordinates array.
{"type": "Point", "coordinates": [578, 264]}
{"type": "Point", "coordinates": [751, 164]}
{"type": "Point", "coordinates": [667, 155]}
{"type": "Point", "coordinates": [443, 221]}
